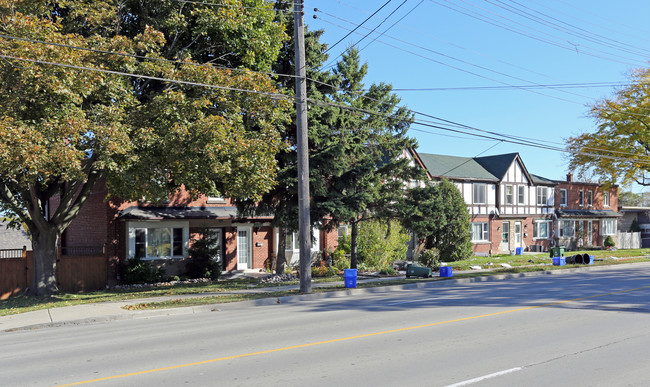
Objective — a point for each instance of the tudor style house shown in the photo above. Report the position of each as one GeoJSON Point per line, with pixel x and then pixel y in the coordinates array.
{"type": "Point", "coordinates": [586, 213]}
{"type": "Point", "coordinates": [162, 233]}
{"type": "Point", "coordinates": [512, 209]}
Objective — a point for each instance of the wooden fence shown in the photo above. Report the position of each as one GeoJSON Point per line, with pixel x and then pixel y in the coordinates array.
{"type": "Point", "coordinates": [628, 240]}
{"type": "Point", "coordinates": [74, 273]}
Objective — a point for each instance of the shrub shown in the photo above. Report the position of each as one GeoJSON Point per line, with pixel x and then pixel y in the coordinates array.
{"type": "Point", "coordinates": [137, 271]}
{"type": "Point", "coordinates": [323, 271]}
{"type": "Point", "coordinates": [341, 256]}
{"type": "Point", "coordinates": [380, 243]}
{"type": "Point", "coordinates": [203, 256]}
{"type": "Point", "coordinates": [387, 271]}
{"type": "Point", "coordinates": [430, 258]}
{"type": "Point", "coordinates": [609, 241]}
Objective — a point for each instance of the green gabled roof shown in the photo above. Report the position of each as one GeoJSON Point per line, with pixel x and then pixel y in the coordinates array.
{"type": "Point", "coordinates": [488, 168]}
{"type": "Point", "coordinates": [455, 167]}
{"type": "Point", "coordinates": [497, 165]}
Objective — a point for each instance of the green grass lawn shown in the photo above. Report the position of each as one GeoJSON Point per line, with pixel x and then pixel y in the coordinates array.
{"type": "Point", "coordinates": [519, 263]}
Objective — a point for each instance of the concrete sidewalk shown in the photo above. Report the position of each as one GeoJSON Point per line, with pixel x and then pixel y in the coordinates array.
{"type": "Point", "coordinates": [116, 310]}
{"type": "Point", "coordinates": [111, 311]}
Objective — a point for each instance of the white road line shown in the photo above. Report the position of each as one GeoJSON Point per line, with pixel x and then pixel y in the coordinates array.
{"type": "Point", "coordinates": [481, 378]}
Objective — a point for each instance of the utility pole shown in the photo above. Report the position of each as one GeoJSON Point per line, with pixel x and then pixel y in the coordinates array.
{"type": "Point", "coordinates": [303, 155]}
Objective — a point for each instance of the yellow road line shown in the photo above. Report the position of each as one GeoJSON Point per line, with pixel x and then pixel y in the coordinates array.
{"type": "Point", "coordinates": [344, 338]}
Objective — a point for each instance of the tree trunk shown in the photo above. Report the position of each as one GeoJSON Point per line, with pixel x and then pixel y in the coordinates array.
{"type": "Point", "coordinates": [282, 251]}
{"type": "Point", "coordinates": [353, 245]}
{"type": "Point", "coordinates": [44, 244]}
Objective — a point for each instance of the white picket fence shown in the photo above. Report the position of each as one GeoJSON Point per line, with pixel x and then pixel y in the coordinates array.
{"type": "Point", "coordinates": [628, 240]}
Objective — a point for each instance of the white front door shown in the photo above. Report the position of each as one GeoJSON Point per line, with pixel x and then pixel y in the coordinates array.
{"type": "Point", "coordinates": [517, 234]}
{"type": "Point", "coordinates": [244, 248]}
{"type": "Point", "coordinates": [590, 233]}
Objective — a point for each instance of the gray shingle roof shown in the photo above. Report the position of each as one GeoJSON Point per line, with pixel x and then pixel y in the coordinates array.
{"type": "Point", "coordinates": [178, 213]}
{"type": "Point", "coordinates": [13, 239]}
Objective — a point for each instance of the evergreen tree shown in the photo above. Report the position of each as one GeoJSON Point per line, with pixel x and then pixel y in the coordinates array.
{"type": "Point", "coordinates": [360, 153]}
{"type": "Point", "coordinates": [437, 214]}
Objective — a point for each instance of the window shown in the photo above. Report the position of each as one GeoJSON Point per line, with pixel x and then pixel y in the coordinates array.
{"type": "Point", "coordinates": [563, 197]}
{"type": "Point", "coordinates": [510, 194]}
{"type": "Point", "coordinates": [581, 198]}
{"type": "Point", "coordinates": [567, 228]}
{"type": "Point", "coordinates": [590, 198]}
{"type": "Point", "coordinates": [158, 242]}
{"type": "Point", "coordinates": [542, 196]}
{"type": "Point", "coordinates": [505, 235]}
{"type": "Point", "coordinates": [479, 193]}
{"type": "Point", "coordinates": [541, 229]}
{"type": "Point", "coordinates": [480, 232]}
{"type": "Point", "coordinates": [215, 199]}
{"type": "Point", "coordinates": [521, 197]}
{"type": "Point", "coordinates": [606, 199]}
{"type": "Point", "coordinates": [608, 227]}
{"type": "Point", "coordinates": [342, 232]}
{"type": "Point", "coordinates": [293, 241]}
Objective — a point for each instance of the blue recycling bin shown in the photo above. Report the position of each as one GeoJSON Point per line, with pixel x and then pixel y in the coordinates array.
{"type": "Point", "coordinates": [350, 278]}
{"type": "Point", "coordinates": [518, 250]}
{"type": "Point", "coordinates": [446, 271]}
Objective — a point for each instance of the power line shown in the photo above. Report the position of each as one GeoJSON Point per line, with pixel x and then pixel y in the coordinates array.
{"type": "Point", "coordinates": [517, 87]}
{"type": "Point", "coordinates": [149, 77]}
{"type": "Point", "coordinates": [459, 60]}
{"type": "Point", "coordinates": [487, 134]}
{"type": "Point", "coordinates": [350, 33]}
{"type": "Point", "coordinates": [525, 32]}
{"type": "Point", "coordinates": [373, 30]}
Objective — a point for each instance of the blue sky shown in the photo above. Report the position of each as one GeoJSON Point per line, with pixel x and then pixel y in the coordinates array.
{"type": "Point", "coordinates": [442, 44]}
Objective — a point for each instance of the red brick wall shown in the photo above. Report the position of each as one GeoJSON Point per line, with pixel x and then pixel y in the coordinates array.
{"type": "Point", "coordinates": [573, 196]}
{"type": "Point", "coordinates": [329, 241]}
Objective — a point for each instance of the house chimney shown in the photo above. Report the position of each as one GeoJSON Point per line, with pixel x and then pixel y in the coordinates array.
{"type": "Point", "coordinates": [569, 177]}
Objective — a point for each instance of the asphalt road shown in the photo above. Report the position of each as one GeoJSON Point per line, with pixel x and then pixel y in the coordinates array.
{"type": "Point", "coordinates": [588, 328]}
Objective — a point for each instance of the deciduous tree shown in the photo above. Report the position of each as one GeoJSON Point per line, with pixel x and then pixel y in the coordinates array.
{"type": "Point", "coordinates": [63, 127]}
{"type": "Point", "coordinates": [619, 149]}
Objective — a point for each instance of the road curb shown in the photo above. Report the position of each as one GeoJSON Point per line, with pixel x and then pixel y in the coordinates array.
{"type": "Point", "coordinates": [287, 300]}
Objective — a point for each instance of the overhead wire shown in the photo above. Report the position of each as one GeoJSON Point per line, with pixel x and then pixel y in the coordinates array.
{"type": "Point", "coordinates": [429, 35]}
{"type": "Point", "coordinates": [572, 30]}
{"type": "Point", "coordinates": [459, 60]}
{"type": "Point", "coordinates": [487, 134]}
{"type": "Point", "coordinates": [351, 32]}
{"type": "Point", "coordinates": [373, 30]}
{"type": "Point", "coordinates": [524, 32]}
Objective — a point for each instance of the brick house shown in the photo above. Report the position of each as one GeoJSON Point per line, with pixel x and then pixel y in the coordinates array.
{"type": "Point", "coordinates": [512, 209]}
{"type": "Point", "coordinates": [162, 233]}
{"type": "Point", "coordinates": [586, 213]}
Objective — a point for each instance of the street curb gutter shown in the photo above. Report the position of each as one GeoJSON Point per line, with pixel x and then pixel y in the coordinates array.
{"type": "Point", "coordinates": [145, 314]}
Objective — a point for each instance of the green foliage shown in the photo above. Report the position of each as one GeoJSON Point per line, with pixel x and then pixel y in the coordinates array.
{"type": "Point", "coordinates": [438, 215]}
{"type": "Point", "coordinates": [341, 256]}
{"type": "Point", "coordinates": [62, 129]}
{"type": "Point", "coordinates": [623, 128]}
{"type": "Point", "coordinates": [137, 271]}
{"type": "Point", "coordinates": [203, 256]}
{"type": "Point", "coordinates": [387, 271]}
{"type": "Point", "coordinates": [380, 243]}
{"type": "Point", "coordinates": [430, 258]}
{"type": "Point", "coordinates": [609, 241]}
{"type": "Point", "coordinates": [323, 271]}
